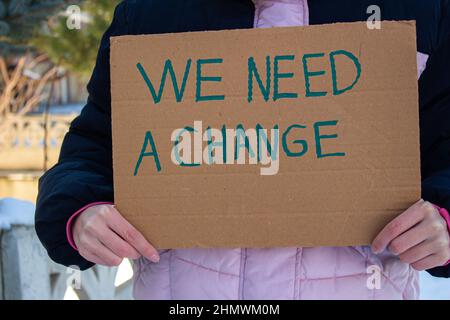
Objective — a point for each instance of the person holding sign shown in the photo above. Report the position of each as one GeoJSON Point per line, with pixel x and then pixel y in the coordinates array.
{"type": "Point", "coordinates": [77, 221]}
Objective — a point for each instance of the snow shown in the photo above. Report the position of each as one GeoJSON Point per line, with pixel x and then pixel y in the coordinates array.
{"type": "Point", "coordinates": [13, 211]}
{"type": "Point", "coordinates": [432, 288]}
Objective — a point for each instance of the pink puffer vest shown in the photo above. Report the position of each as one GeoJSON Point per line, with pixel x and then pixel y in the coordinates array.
{"type": "Point", "coordinates": [282, 273]}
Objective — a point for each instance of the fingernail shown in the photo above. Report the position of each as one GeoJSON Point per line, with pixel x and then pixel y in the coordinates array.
{"type": "Point", "coordinates": [154, 258]}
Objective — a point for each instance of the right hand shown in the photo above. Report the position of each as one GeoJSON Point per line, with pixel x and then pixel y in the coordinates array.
{"type": "Point", "coordinates": [104, 237]}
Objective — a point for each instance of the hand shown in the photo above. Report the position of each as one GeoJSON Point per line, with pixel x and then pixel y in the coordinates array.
{"type": "Point", "coordinates": [419, 236]}
{"type": "Point", "coordinates": [104, 237]}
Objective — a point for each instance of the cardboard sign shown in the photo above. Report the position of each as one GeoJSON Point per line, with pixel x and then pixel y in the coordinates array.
{"type": "Point", "coordinates": [302, 136]}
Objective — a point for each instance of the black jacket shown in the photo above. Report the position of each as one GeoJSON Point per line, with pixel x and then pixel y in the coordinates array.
{"type": "Point", "coordinates": [84, 172]}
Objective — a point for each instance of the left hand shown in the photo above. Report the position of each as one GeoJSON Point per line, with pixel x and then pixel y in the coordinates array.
{"type": "Point", "coordinates": [419, 236]}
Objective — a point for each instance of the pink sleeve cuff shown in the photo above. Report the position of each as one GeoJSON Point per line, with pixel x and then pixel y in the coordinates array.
{"type": "Point", "coordinates": [446, 216]}
{"type": "Point", "coordinates": [72, 220]}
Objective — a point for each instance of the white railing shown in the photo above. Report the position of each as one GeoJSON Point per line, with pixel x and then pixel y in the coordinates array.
{"type": "Point", "coordinates": [31, 140]}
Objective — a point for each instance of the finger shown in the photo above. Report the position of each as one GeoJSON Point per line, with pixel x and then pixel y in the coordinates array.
{"type": "Point", "coordinates": [410, 238]}
{"type": "Point", "coordinates": [96, 248]}
{"type": "Point", "coordinates": [116, 244]}
{"type": "Point", "coordinates": [419, 252]}
{"type": "Point", "coordinates": [396, 227]}
{"type": "Point", "coordinates": [132, 236]}
{"type": "Point", "coordinates": [429, 262]}
{"type": "Point", "coordinates": [92, 257]}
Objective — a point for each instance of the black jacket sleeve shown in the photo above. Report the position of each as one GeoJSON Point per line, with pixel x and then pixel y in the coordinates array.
{"type": "Point", "coordinates": [83, 174]}
{"type": "Point", "coordinates": [434, 88]}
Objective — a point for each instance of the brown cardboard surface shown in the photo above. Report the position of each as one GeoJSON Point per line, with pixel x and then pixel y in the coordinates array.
{"type": "Point", "coordinates": [332, 200]}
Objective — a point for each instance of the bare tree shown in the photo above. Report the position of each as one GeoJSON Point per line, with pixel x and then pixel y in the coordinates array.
{"type": "Point", "coordinates": [23, 84]}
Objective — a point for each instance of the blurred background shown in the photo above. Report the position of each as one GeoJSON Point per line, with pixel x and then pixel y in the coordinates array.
{"type": "Point", "coordinates": [47, 52]}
